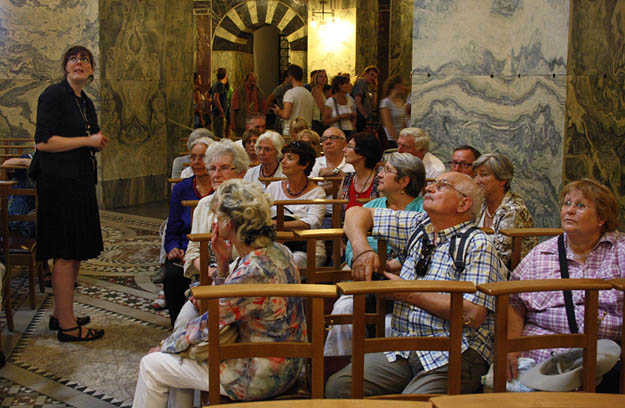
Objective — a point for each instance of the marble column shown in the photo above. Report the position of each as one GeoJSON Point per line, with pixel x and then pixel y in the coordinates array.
{"type": "Point", "coordinates": [493, 74]}
{"type": "Point", "coordinates": [595, 117]}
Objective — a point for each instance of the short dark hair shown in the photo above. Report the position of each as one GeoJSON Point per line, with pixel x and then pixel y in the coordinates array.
{"type": "Point", "coordinates": [80, 51]}
{"type": "Point", "coordinates": [247, 135]}
{"type": "Point", "coordinates": [304, 151]}
{"type": "Point", "coordinates": [337, 81]}
{"type": "Point", "coordinates": [221, 73]}
{"type": "Point", "coordinates": [367, 145]}
{"type": "Point", "coordinates": [296, 72]}
{"type": "Point", "coordinates": [327, 88]}
{"type": "Point", "coordinates": [476, 153]}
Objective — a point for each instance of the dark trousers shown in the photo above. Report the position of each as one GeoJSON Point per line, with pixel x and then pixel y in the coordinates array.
{"type": "Point", "coordinates": [174, 286]}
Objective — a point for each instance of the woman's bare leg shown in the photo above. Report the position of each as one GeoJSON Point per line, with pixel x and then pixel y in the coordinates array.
{"type": "Point", "coordinates": [63, 278]}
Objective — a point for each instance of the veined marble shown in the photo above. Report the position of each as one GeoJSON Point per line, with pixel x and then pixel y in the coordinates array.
{"type": "Point", "coordinates": [366, 44]}
{"type": "Point", "coordinates": [595, 116]}
{"type": "Point", "coordinates": [400, 39]}
{"type": "Point", "coordinates": [472, 85]}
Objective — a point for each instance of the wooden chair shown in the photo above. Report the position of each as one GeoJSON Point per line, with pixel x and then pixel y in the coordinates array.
{"type": "Point", "coordinates": [517, 235]}
{"type": "Point", "coordinates": [619, 284]}
{"type": "Point", "coordinates": [15, 147]}
{"type": "Point", "coordinates": [16, 249]}
{"type": "Point", "coordinates": [312, 349]}
{"type": "Point", "coordinates": [330, 403]}
{"type": "Point", "coordinates": [361, 345]}
{"type": "Point", "coordinates": [530, 400]}
{"type": "Point", "coordinates": [587, 340]}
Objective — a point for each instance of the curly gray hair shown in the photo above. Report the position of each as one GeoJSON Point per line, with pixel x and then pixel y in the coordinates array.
{"type": "Point", "coordinates": [240, 159]}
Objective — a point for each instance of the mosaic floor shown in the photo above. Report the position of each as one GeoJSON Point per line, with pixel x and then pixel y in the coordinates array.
{"type": "Point", "coordinates": [116, 291]}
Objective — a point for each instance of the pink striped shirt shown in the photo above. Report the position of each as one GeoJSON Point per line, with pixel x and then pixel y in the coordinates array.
{"type": "Point", "coordinates": [545, 312]}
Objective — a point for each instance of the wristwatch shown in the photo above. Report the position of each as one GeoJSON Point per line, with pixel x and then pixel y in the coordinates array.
{"type": "Point", "coordinates": [335, 171]}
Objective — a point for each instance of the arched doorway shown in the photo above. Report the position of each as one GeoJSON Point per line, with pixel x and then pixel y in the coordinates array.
{"type": "Point", "coordinates": [233, 37]}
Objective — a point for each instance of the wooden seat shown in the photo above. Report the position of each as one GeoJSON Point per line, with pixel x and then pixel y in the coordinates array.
{"type": "Point", "coordinates": [16, 249]}
{"type": "Point", "coordinates": [517, 235]}
{"type": "Point", "coordinates": [587, 340]}
{"type": "Point", "coordinates": [333, 403]}
{"type": "Point", "coordinates": [530, 400]}
{"type": "Point", "coordinates": [619, 284]}
{"type": "Point", "coordinates": [312, 349]}
{"type": "Point", "coordinates": [361, 345]}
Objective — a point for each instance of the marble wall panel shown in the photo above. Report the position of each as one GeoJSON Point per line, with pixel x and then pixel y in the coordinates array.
{"type": "Point", "coordinates": [484, 37]}
{"type": "Point", "coordinates": [332, 46]}
{"type": "Point", "coordinates": [595, 116]}
{"type": "Point", "coordinates": [133, 38]}
{"type": "Point", "coordinates": [366, 43]}
{"type": "Point", "coordinates": [478, 80]}
{"type": "Point", "coordinates": [522, 118]}
{"type": "Point", "coordinates": [32, 42]}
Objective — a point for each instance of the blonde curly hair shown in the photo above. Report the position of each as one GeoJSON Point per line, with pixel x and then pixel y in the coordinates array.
{"type": "Point", "coordinates": [249, 208]}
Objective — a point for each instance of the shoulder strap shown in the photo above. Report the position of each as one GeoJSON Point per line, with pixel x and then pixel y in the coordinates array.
{"type": "Point", "coordinates": [458, 256]}
{"type": "Point", "coordinates": [413, 238]}
{"type": "Point", "coordinates": [568, 297]}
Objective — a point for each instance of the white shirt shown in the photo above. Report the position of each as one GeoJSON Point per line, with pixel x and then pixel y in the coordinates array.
{"type": "Point", "coordinates": [310, 214]}
{"type": "Point", "coordinates": [349, 107]}
{"type": "Point", "coordinates": [303, 102]}
{"type": "Point", "coordinates": [254, 173]}
{"type": "Point", "coordinates": [186, 173]}
{"type": "Point", "coordinates": [321, 163]}
{"type": "Point", "coordinates": [434, 167]}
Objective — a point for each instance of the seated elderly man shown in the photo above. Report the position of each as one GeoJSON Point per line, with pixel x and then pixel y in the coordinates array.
{"type": "Point", "coordinates": [417, 142]}
{"type": "Point", "coordinates": [451, 205]}
{"type": "Point", "coordinates": [462, 159]}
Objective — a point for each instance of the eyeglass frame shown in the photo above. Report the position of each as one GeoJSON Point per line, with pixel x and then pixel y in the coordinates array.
{"type": "Point", "coordinates": [444, 182]}
{"type": "Point", "coordinates": [462, 164]}
{"type": "Point", "coordinates": [222, 169]}
{"type": "Point", "coordinates": [75, 58]}
{"type": "Point", "coordinates": [331, 137]}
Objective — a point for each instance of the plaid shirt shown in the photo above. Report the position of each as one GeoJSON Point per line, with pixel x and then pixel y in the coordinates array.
{"type": "Point", "coordinates": [482, 266]}
{"type": "Point", "coordinates": [545, 312]}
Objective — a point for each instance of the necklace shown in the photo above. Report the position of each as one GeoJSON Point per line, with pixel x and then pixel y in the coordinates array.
{"type": "Point", "coordinates": [364, 185]}
{"type": "Point", "coordinates": [83, 113]}
{"type": "Point", "coordinates": [262, 171]}
{"type": "Point", "coordinates": [288, 189]}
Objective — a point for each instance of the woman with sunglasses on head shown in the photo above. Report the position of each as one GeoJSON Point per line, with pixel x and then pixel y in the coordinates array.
{"type": "Point", "coordinates": [502, 209]}
{"type": "Point", "coordinates": [297, 163]}
{"type": "Point", "coordinates": [67, 136]}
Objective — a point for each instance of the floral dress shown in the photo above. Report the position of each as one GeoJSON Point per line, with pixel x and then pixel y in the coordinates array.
{"type": "Point", "coordinates": [259, 319]}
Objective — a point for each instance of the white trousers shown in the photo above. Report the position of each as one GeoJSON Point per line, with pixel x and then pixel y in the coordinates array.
{"type": "Point", "coordinates": [166, 380]}
{"type": "Point", "coordinates": [339, 340]}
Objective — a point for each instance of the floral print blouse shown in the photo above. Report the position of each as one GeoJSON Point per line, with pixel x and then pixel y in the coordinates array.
{"type": "Point", "coordinates": [258, 319]}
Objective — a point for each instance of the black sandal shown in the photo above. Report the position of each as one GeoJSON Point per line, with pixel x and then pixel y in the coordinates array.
{"type": "Point", "coordinates": [92, 334]}
{"type": "Point", "coordinates": [53, 324]}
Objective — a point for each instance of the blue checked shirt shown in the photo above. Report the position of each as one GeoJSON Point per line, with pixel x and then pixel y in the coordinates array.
{"type": "Point", "coordinates": [481, 266]}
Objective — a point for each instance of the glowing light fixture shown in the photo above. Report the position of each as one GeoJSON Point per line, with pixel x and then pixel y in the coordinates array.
{"type": "Point", "coordinates": [323, 13]}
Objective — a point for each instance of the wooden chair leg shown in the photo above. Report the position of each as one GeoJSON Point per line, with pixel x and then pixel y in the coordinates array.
{"type": "Point", "coordinates": [6, 299]}
{"type": "Point", "coordinates": [40, 273]}
{"type": "Point", "coordinates": [31, 284]}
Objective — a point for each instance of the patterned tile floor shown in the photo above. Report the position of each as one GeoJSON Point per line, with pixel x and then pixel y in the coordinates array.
{"type": "Point", "coordinates": [116, 285]}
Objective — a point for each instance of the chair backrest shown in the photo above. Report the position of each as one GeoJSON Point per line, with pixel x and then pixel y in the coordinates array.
{"type": "Point", "coordinates": [619, 284]}
{"type": "Point", "coordinates": [517, 235]}
{"type": "Point", "coordinates": [361, 345]}
{"type": "Point", "coordinates": [312, 349]}
{"type": "Point", "coordinates": [15, 147]}
{"type": "Point", "coordinates": [336, 209]}
{"type": "Point", "coordinates": [587, 340]}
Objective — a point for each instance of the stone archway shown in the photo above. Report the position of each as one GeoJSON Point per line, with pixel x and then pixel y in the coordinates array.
{"type": "Point", "coordinates": [231, 45]}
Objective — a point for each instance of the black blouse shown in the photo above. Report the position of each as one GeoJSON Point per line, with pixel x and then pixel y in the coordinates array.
{"type": "Point", "coordinates": [59, 114]}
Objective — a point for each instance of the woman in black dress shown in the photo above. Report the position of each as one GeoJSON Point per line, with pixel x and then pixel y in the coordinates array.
{"type": "Point", "coordinates": [68, 225]}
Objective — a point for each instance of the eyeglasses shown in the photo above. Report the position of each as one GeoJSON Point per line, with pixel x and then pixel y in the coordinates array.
{"type": "Point", "coordinates": [461, 164]}
{"type": "Point", "coordinates": [443, 184]}
{"type": "Point", "coordinates": [75, 58]}
{"type": "Point", "coordinates": [388, 171]}
{"type": "Point", "coordinates": [194, 157]}
{"type": "Point", "coordinates": [426, 255]}
{"type": "Point", "coordinates": [579, 206]}
{"type": "Point", "coordinates": [222, 169]}
{"type": "Point", "coordinates": [333, 137]}
{"type": "Point", "coordinates": [350, 147]}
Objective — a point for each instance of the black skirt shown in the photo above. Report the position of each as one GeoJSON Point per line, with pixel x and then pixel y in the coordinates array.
{"type": "Point", "coordinates": [68, 221]}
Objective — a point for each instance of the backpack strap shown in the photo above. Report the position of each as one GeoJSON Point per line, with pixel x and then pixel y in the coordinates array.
{"type": "Point", "coordinates": [413, 238]}
{"type": "Point", "coordinates": [458, 256]}
{"type": "Point", "coordinates": [568, 296]}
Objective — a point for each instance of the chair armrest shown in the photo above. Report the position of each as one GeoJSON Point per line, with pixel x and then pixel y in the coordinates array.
{"type": "Point", "coordinates": [542, 285]}
{"type": "Point", "coordinates": [325, 234]}
{"type": "Point", "coordinates": [264, 289]}
{"type": "Point", "coordinates": [531, 232]}
{"type": "Point", "coordinates": [399, 286]}
{"type": "Point", "coordinates": [200, 237]}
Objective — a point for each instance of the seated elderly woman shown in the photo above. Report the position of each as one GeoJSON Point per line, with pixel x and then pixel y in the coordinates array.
{"type": "Point", "coordinates": [502, 208]}
{"type": "Point", "coordinates": [179, 225]}
{"type": "Point", "coordinates": [268, 148]}
{"type": "Point", "coordinates": [243, 221]}
{"type": "Point", "coordinates": [401, 181]}
{"type": "Point", "coordinates": [593, 249]}
{"type": "Point", "coordinates": [248, 142]}
{"type": "Point", "coordinates": [312, 137]}
{"type": "Point", "coordinates": [298, 161]}
{"type": "Point", "coordinates": [225, 161]}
